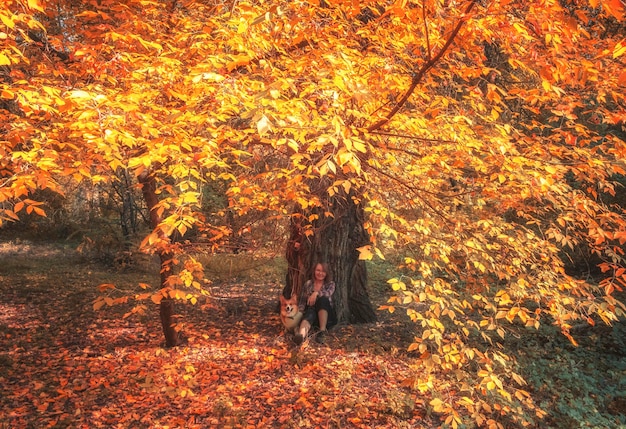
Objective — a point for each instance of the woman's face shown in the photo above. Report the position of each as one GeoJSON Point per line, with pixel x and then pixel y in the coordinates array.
{"type": "Point", "coordinates": [320, 274]}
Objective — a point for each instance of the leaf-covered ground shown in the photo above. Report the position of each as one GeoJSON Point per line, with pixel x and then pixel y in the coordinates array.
{"type": "Point", "coordinates": [63, 365]}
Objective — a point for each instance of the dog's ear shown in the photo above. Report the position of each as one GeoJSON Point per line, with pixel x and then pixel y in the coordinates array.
{"type": "Point", "coordinates": [282, 299]}
{"type": "Point", "coordinates": [286, 292]}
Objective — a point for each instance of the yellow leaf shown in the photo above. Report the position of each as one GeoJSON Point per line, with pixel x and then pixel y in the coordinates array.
{"type": "Point", "coordinates": [293, 145]}
{"type": "Point", "coordinates": [214, 77]}
{"type": "Point", "coordinates": [359, 146]}
{"type": "Point", "coordinates": [7, 20]}
{"type": "Point", "coordinates": [365, 253]}
{"type": "Point", "coordinates": [190, 198]}
{"type": "Point", "coordinates": [619, 50]}
{"type": "Point", "coordinates": [34, 4]}
{"type": "Point", "coordinates": [323, 169]}
{"type": "Point", "coordinates": [379, 253]}
{"type": "Point", "coordinates": [339, 82]}
{"type": "Point", "coordinates": [437, 404]}
{"type": "Point", "coordinates": [398, 286]}
{"type": "Point", "coordinates": [263, 126]}
{"type": "Point", "coordinates": [344, 157]}
{"type": "Point", "coordinates": [331, 166]}
{"type": "Point", "coordinates": [79, 94]}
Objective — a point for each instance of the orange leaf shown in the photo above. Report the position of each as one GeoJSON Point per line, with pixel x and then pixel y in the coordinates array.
{"type": "Point", "coordinates": [105, 286]}
{"type": "Point", "coordinates": [39, 211]}
{"type": "Point", "coordinates": [614, 8]}
{"type": "Point", "coordinates": [238, 61]}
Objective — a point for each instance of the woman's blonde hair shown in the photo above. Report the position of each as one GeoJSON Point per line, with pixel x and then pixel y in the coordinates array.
{"type": "Point", "coordinates": [327, 270]}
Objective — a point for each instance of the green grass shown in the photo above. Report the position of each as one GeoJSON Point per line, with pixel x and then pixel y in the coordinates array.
{"type": "Point", "coordinates": [225, 267]}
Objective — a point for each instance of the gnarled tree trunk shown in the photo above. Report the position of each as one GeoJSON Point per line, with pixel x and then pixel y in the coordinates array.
{"type": "Point", "coordinates": [335, 240]}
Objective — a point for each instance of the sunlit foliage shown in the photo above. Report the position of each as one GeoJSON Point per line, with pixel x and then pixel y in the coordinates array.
{"type": "Point", "coordinates": [481, 137]}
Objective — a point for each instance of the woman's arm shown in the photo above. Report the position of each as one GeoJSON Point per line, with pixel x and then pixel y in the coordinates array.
{"type": "Point", "coordinates": [328, 289]}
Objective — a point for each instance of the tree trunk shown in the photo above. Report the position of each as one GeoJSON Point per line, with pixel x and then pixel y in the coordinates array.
{"type": "Point", "coordinates": [335, 240]}
{"type": "Point", "coordinates": [166, 306]}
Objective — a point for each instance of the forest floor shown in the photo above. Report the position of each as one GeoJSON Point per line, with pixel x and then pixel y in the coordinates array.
{"type": "Point", "coordinates": [64, 365]}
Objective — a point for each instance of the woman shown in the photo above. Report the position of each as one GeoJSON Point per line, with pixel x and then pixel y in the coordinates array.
{"type": "Point", "coordinates": [316, 301]}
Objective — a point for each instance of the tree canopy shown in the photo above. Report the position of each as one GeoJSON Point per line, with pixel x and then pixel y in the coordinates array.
{"type": "Point", "coordinates": [483, 139]}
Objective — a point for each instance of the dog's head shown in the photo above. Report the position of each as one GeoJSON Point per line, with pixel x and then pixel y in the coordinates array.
{"type": "Point", "coordinates": [289, 306]}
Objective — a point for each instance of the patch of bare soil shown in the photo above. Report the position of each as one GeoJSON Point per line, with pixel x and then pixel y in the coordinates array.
{"type": "Point", "coordinates": [64, 365]}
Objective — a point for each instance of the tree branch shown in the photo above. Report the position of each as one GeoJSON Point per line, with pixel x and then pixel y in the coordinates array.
{"type": "Point", "coordinates": [417, 77]}
{"type": "Point", "coordinates": [424, 17]}
{"type": "Point", "coordinates": [416, 191]}
{"type": "Point", "coordinates": [412, 137]}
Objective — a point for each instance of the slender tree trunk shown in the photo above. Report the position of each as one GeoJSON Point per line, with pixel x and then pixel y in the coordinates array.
{"type": "Point", "coordinates": [335, 240]}
{"type": "Point", "coordinates": [166, 306]}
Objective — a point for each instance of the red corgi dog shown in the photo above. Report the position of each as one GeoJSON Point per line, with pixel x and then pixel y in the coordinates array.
{"type": "Point", "coordinates": [290, 314]}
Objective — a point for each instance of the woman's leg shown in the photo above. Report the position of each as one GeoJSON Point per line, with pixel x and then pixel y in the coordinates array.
{"type": "Point", "coordinates": [323, 310]}
{"type": "Point", "coordinates": [305, 325]}
{"type": "Point", "coordinates": [322, 317]}
{"type": "Point", "coordinates": [325, 313]}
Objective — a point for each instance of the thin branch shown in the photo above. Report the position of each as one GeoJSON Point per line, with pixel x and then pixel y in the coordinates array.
{"type": "Point", "coordinates": [417, 77]}
{"type": "Point", "coordinates": [425, 18]}
{"type": "Point", "coordinates": [416, 191]}
{"type": "Point", "coordinates": [411, 137]}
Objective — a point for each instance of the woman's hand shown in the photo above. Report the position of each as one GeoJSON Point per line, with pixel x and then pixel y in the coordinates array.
{"type": "Point", "coordinates": [312, 298]}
